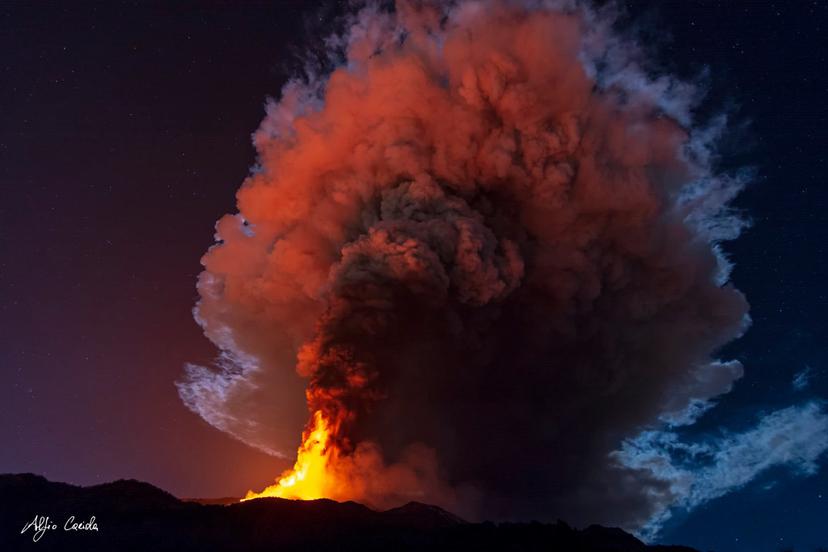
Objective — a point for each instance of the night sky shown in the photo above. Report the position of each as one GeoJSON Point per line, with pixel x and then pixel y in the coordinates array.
{"type": "Point", "coordinates": [125, 132]}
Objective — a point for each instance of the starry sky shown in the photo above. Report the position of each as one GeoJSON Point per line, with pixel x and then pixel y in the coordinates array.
{"type": "Point", "coordinates": [125, 132]}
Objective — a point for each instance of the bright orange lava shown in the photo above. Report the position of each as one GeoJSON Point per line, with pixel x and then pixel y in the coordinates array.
{"type": "Point", "coordinates": [308, 478]}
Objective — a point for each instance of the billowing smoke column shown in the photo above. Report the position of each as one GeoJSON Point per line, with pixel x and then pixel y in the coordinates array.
{"type": "Point", "coordinates": [480, 255]}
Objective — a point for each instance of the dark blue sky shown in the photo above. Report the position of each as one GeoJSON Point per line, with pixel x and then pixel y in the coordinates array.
{"type": "Point", "coordinates": [765, 60]}
{"type": "Point", "coordinates": [124, 133]}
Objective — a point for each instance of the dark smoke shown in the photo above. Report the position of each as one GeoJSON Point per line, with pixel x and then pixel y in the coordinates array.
{"type": "Point", "coordinates": [489, 233]}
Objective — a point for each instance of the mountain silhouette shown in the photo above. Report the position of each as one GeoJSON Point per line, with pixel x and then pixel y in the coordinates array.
{"type": "Point", "coordinates": [133, 515]}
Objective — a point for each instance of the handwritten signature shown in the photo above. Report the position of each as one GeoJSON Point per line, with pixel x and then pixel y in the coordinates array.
{"type": "Point", "coordinates": [40, 525]}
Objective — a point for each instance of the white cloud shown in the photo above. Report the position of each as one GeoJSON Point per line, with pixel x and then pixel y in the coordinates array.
{"type": "Point", "coordinates": [793, 437]}
{"type": "Point", "coordinates": [801, 379]}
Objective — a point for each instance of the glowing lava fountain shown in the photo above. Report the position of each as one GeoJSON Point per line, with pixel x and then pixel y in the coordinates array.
{"type": "Point", "coordinates": [308, 478]}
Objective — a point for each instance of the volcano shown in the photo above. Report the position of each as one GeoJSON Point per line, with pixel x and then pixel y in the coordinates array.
{"type": "Point", "coordinates": [133, 515]}
{"type": "Point", "coordinates": [478, 258]}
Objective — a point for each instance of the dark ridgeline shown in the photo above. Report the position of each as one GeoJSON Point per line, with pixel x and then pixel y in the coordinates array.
{"type": "Point", "coordinates": [132, 515]}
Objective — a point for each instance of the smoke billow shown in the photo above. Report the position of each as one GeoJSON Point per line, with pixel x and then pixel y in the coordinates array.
{"type": "Point", "coordinates": [484, 248]}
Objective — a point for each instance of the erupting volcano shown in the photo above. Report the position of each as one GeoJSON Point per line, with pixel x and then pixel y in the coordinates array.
{"type": "Point", "coordinates": [481, 249]}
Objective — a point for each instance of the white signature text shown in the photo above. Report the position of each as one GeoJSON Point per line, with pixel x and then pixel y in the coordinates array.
{"type": "Point", "coordinates": [40, 525]}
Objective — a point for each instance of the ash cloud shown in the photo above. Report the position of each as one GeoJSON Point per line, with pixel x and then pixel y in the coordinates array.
{"type": "Point", "coordinates": [491, 235]}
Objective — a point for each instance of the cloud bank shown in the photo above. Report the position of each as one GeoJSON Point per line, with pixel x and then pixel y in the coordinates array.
{"type": "Point", "coordinates": [794, 437]}
{"type": "Point", "coordinates": [487, 247]}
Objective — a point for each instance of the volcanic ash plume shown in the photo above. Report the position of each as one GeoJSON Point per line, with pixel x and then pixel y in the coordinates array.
{"type": "Point", "coordinates": [478, 256]}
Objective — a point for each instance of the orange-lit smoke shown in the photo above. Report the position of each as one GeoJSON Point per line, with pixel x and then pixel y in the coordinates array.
{"type": "Point", "coordinates": [480, 253]}
{"type": "Point", "coordinates": [323, 470]}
